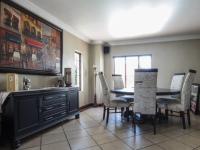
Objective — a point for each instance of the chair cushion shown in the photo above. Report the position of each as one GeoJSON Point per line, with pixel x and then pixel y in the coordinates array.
{"type": "Point", "coordinates": [164, 101]}
{"type": "Point", "coordinates": [170, 103]}
{"type": "Point", "coordinates": [118, 102]}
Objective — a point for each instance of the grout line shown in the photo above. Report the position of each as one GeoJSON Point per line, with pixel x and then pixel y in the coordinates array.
{"type": "Point", "coordinates": [66, 137]}
{"type": "Point", "coordinates": [41, 142]}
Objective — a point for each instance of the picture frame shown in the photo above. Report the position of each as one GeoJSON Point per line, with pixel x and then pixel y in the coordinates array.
{"type": "Point", "coordinates": [29, 44]}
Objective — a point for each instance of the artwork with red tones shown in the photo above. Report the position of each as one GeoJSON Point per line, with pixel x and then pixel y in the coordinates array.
{"type": "Point", "coordinates": [28, 44]}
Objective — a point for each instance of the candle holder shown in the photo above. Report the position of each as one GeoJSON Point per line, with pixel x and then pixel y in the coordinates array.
{"type": "Point", "coordinates": [67, 77]}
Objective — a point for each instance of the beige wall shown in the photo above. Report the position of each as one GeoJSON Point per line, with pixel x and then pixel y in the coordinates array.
{"type": "Point", "coordinates": [70, 45]}
{"type": "Point", "coordinates": [168, 57]}
{"type": "Point", "coordinates": [96, 58]}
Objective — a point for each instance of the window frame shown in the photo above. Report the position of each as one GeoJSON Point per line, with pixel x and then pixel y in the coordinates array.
{"type": "Point", "coordinates": [125, 56]}
{"type": "Point", "coordinates": [80, 70]}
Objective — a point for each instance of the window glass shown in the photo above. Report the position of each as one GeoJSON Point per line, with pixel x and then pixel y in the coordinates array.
{"type": "Point", "coordinates": [78, 69]}
{"type": "Point", "coordinates": [126, 66]}
{"type": "Point", "coordinates": [131, 65]}
{"type": "Point", "coordinates": [120, 66]}
{"type": "Point", "coordinates": [145, 62]}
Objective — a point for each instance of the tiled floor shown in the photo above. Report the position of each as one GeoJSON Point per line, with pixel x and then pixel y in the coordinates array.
{"type": "Point", "coordinates": [91, 133]}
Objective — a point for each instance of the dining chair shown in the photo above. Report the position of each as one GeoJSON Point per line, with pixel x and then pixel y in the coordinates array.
{"type": "Point", "coordinates": [176, 84]}
{"type": "Point", "coordinates": [118, 81]}
{"type": "Point", "coordinates": [179, 107]}
{"type": "Point", "coordinates": [109, 102]}
{"type": "Point", "coordinates": [145, 87]}
{"type": "Point", "coordinates": [119, 84]}
{"type": "Point", "coordinates": [177, 81]}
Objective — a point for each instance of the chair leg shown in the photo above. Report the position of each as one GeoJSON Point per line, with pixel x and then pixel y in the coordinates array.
{"type": "Point", "coordinates": [122, 111]}
{"type": "Point", "coordinates": [159, 115]}
{"type": "Point", "coordinates": [154, 124]}
{"type": "Point", "coordinates": [166, 114]}
{"type": "Point", "coordinates": [107, 118]}
{"type": "Point", "coordinates": [127, 110]}
{"type": "Point", "coordinates": [104, 112]}
{"type": "Point", "coordinates": [115, 109]}
{"type": "Point", "coordinates": [188, 117]}
{"type": "Point", "coordinates": [182, 116]}
{"type": "Point", "coordinates": [134, 123]}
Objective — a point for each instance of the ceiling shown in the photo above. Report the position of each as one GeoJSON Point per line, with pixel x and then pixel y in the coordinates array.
{"type": "Point", "coordinates": [105, 20]}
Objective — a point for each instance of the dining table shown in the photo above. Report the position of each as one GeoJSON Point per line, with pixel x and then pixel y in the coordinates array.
{"type": "Point", "coordinates": [160, 91]}
{"type": "Point", "coordinates": [130, 92]}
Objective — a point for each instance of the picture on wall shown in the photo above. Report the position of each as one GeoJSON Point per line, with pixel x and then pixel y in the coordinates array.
{"type": "Point", "coordinates": [28, 44]}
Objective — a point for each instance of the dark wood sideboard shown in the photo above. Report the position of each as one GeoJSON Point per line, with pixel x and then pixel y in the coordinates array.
{"type": "Point", "coordinates": [28, 112]}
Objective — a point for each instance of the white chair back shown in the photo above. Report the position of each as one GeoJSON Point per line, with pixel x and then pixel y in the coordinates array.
{"type": "Point", "coordinates": [177, 81]}
{"type": "Point", "coordinates": [186, 90]}
{"type": "Point", "coordinates": [118, 81]}
{"type": "Point", "coordinates": [105, 89]}
{"type": "Point", "coordinates": [145, 91]}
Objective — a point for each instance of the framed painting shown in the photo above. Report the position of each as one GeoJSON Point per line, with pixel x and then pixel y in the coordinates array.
{"type": "Point", "coordinates": [28, 43]}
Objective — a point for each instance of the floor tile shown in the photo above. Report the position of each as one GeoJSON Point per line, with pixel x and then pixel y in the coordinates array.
{"type": "Point", "coordinates": [97, 130]}
{"type": "Point", "coordinates": [104, 138]}
{"type": "Point", "coordinates": [174, 145]}
{"type": "Point", "coordinates": [176, 133]}
{"type": "Point", "coordinates": [74, 127]}
{"type": "Point", "coordinates": [137, 142]}
{"type": "Point", "coordinates": [153, 147]}
{"type": "Point", "coordinates": [156, 138]}
{"type": "Point", "coordinates": [195, 133]}
{"type": "Point", "coordinates": [32, 142]}
{"type": "Point", "coordinates": [76, 134]}
{"type": "Point", "coordinates": [33, 148]}
{"type": "Point", "coordinates": [80, 143]}
{"type": "Point", "coordinates": [124, 133]}
{"type": "Point", "coordinates": [89, 132]}
{"type": "Point", "coordinates": [52, 138]}
{"type": "Point", "coordinates": [116, 145]}
{"type": "Point", "coordinates": [54, 130]}
{"type": "Point", "coordinates": [92, 148]}
{"type": "Point", "coordinates": [56, 146]}
{"type": "Point", "coordinates": [189, 140]}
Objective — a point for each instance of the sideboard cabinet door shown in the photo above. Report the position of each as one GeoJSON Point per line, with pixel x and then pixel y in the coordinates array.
{"type": "Point", "coordinates": [27, 114]}
{"type": "Point", "coordinates": [73, 100]}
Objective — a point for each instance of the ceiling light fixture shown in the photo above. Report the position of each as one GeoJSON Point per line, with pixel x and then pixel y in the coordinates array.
{"type": "Point", "coordinates": [140, 20]}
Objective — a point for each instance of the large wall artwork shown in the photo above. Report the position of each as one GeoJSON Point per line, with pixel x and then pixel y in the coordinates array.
{"type": "Point", "coordinates": [28, 43]}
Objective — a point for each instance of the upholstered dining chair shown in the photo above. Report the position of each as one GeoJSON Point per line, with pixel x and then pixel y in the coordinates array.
{"type": "Point", "coordinates": [177, 81]}
{"type": "Point", "coordinates": [119, 84]}
{"type": "Point", "coordinates": [180, 106]}
{"type": "Point", "coordinates": [145, 87]}
{"type": "Point", "coordinates": [110, 103]}
{"type": "Point", "coordinates": [118, 81]}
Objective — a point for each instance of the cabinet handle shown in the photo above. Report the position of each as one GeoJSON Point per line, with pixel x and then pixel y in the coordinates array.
{"type": "Point", "coordinates": [46, 119]}
{"type": "Point", "coordinates": [63, 113]}
{"type": "Point", "coordinates": [48, 108]}
{"type": "Point", "coordinates": [62, 104]}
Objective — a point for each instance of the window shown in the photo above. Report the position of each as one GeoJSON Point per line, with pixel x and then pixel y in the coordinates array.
{"type": "Point", "coordinates": [78, 69]}
{"type": "Point", "coordinates": [126, 66]}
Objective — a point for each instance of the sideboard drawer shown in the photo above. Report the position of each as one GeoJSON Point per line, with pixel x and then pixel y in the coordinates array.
{"type": "Point", "coordinates": [53, 101]}
{"type": "Point", "coordinates": [54, 116]}
{"type": "Point", "coordinates": [54, 106]}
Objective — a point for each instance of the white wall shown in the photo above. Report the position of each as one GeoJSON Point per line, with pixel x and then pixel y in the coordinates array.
{"type": "Point", "coordinates": [168, 57]}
